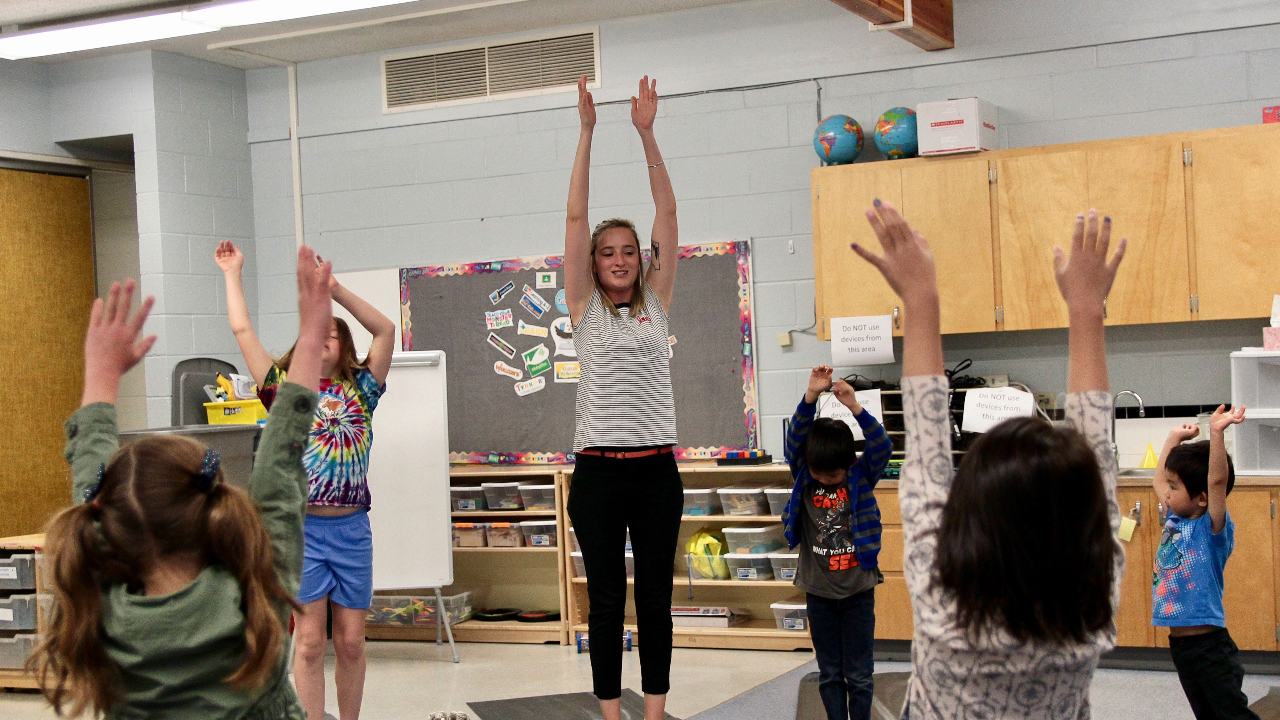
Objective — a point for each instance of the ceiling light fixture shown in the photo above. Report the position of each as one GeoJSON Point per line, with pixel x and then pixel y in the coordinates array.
{"type": "Point", "coordinates": [254, 12]}
{"type": "Point", "coordinates": [99, 35]}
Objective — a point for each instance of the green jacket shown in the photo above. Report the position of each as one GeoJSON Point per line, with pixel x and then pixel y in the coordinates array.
{"type": "Point", "coordinates": [174, 651]}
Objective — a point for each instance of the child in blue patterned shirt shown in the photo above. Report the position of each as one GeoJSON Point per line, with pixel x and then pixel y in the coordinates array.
{"type": "Point", "coordinates": [1193, 481]}
{"type": "Point", "coordinates": [833, 516]}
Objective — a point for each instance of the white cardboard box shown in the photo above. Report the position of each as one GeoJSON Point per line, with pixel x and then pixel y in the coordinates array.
{"type": "Point", "coordinates": [957, 126]}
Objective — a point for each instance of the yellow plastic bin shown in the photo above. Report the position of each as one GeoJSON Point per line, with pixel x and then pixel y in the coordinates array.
{"type": "Point", "coordinates": [236, 412]}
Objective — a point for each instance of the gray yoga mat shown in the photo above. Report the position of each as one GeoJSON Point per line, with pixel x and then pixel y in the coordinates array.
{"type": "Point", "coordinates": [570, 706]}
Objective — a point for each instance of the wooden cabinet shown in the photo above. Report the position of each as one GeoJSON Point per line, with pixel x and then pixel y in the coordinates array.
{"type": "Point", "coordinates": [1249, 579]}
{"type": "Point", "coordinates": [1133, 616]}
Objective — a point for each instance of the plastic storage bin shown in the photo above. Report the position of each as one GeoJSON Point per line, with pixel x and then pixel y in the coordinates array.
{"type": "Point", "coordinates": [18, 572]}
{"type": "Point", "coordinates": [743, 501]}
{"type": "Point", "coordinates": [457, 608]}
{"type": "Point", "coordinates": [539, 533]}
{"type": "Point", "coordinates": [573, 536]}
{"type": "Point", "coordinates": [235, 412]}
{"type": "Point", "coordinates": [580, 567]}
{"type": "Point", "coordinates": [784, 565]}
{"type": "Point", "coordinates": [18, 612]}
{"type": "Point", "coordinates": [505, 534]}
{"type": "Point", "coordinates": [749, 567]}
{"type": "Point", "coordinates": [756, 540]}
{"type": "Point", "coordinates": [538, 497]}
{"type": "Point", "coordinates": [503, 496]}
{"type": "Point", "coordinates": [705, 567]}
{"type": "Point", "coordinates": [15, 650]}
{"type": "Point", "coordinates": [790, 615]}
{"type": "Point", "coordinates": [777, 498]}
{"type": "Point", "coordinates": [470, 535]}
{"type": "Point", "coordinates": [393, 610]}
{"type": "Point", "coordinates": [701, 501]}
{"type": "Point", "coordinates": [467, 499]}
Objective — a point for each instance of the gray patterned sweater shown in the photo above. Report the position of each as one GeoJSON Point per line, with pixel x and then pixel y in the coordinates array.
{"type": "Point", "coordinates": [954, 677]}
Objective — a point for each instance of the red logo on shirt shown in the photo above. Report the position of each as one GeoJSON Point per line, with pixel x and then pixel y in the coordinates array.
{"type": "Point", "coordinates": [643, 320]}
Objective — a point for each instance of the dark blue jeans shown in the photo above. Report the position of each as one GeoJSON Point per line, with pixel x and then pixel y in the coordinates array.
{"type": "Point", "coordinates": [843, 632]}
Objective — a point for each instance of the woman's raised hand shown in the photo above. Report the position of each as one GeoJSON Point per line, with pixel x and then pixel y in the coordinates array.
{"type": "Point", "coordinates": [907, 263]}
{"type": "Point", "coordinates": [586, 105]}
{"type": "Point", "coordinates": [228, 257]}
{"type": "Point", "coordinates": [644, 108]}
{"type": "Point", "coordinates": [1085, 278]}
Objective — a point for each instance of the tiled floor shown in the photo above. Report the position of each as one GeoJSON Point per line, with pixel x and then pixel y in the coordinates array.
{"type": "Point", "coordinates": [407, 681]}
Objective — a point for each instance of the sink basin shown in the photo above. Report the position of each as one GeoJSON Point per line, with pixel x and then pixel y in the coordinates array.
{"type": "Point", "coordinates": [1136, 472]}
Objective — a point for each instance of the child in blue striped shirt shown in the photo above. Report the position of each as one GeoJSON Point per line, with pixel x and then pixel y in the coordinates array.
{"type": "Point", "coordinates": [833, 516]}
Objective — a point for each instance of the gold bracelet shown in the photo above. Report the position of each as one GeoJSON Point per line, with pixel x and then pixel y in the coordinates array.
{"type": "Point", "coordinates": [660, 162]}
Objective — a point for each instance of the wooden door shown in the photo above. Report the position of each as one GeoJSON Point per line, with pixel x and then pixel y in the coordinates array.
{"type": "Point", "coordinates": [949, 202]}
{"type": "Point", "coordinates": [1133, 617]}
{"type": "Point", "coordinates": [845, 284]}
{"type": "Point", "coordinates": [1249, 578]}
{"type": "Point", "coordinates": [46, 287]}
{"type": "Point", "coordinates": [1039, 197]}
{"type": "Point", "coordinates": [1237, 238]}
{"type": "Point", "coordinates": [1140, 185]}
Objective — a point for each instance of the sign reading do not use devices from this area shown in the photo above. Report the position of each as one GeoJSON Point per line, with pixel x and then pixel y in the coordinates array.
{"type": "Point", "coordinates": [859, 341]}
{"type": "Point", "coordinates": [984, 408]}
{"type": "Point", "coordinates": [830, 407]}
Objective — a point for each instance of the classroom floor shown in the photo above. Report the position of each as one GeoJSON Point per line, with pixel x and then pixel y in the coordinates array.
{"type": "Point", "coordinates": [407, 681]}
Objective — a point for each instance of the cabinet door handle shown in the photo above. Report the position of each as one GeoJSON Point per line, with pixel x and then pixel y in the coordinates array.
{"type": "Point", "coordinates": [1136, 513]}
{"type": "Point", "coordinates": [895, 319]}
{"type": "Point", "coordinates": [1104, 308]}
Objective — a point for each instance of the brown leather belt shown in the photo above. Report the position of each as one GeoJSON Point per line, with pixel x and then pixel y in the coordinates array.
{"type": "Point", "coordinates": [626, 454]}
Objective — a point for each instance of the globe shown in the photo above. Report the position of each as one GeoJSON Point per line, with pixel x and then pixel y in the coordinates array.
{"type": "Point", "coordinates": [838, 140]}
{"type": "Point", "coordinates": [896, 133]}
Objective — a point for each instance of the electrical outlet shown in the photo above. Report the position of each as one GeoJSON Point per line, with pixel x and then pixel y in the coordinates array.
{"type": "Point", "coordinates": [791, 247]}
{"type": "Point", "coordinates": [996, 380]}
{"type": "Point", "coordinates": [1047, 401]}
{"type": "Point", "coordinates": [784, 339]}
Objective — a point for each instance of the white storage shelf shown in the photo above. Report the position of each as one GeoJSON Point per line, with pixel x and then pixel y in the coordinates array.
{"type": "Point", "coordinates": [1257, 446]}
{"type": "Point", "coordinates": [1255, 382]}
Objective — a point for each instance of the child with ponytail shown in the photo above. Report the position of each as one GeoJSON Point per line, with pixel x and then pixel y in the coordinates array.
{"type": "Point", "coordinates": [172, 590]}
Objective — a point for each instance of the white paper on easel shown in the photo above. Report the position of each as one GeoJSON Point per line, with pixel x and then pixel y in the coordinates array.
{"type": "Point", "coordinates": [984, 408]}
{"type": "Point", "coordinates": [857, 341]}
{"type": "Point", "coordinates": [830, 407]}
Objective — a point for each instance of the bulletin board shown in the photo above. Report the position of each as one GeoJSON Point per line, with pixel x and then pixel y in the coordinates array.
{"type": "Point", "coordinates": [481, 314]}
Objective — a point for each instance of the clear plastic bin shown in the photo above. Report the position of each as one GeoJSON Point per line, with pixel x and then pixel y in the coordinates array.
{"type": "Point", "coordinates": [790, 615]}
{"type": "Point", "coordinates": [470, 535]}
{"type": "Point", "coordinates": [503, 496]}
{"type": "Point", "coordinates": [14, 651]}
{"type": "Point", "coordinates": [468, 499]}
{"type": "Point", "coordinates": [539, 533]}
{"type": "Point", "coordinates": [573, 537]}
{"type": "Point", "coordinates": [457, 608]}
{"type": "Point", "coordinates": [701, 501]}
{"type": "Point", "coordinates": [706, 567]}
{"type": "Point", "coordinates": [580, 566]}
{"type": "Point", "coordinates": [754, 540]}
{"type": "Point", "coordinates": [538, 497]}
{"type": "Point", "coordinates": [743, 501]}
{"type": "Point", "coordinates": [784, 565]}
{"type": "Point", "coordinates": [749, 567]}
{"type": "Point", "coordinates": [778, 498]}
{"type": "Point", "coordinates": [417, 609]}
{"type": "Point", "coordinates": [18, 612]}
{"type": "Point", "coordinates": [505, 534]}
{"type": "Point", "coordinates": [18, 572]}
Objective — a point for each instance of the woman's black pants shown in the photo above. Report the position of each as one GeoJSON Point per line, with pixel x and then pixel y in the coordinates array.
{"type": "Point", "coordinates": [607, 497]}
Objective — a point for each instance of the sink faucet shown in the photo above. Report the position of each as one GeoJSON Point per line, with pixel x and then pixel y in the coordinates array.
{"type": "Point", "coordinates": [1142, 412]}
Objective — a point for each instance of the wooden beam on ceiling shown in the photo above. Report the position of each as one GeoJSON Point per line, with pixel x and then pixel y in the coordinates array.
{"type": "Point", "coordinates": [932, 20]}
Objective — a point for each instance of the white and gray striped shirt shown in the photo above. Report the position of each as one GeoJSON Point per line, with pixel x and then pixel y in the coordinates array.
{"type": "Point", "coordinates": [624, 392]}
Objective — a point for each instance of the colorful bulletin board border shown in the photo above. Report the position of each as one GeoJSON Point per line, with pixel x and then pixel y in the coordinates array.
{"type": "Point", "coordinates": [739, 249]}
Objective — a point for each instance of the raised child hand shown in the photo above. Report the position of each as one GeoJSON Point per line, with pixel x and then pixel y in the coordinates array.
{"type": "Point", "coordinates": [586, 105]}
{"type": "Point", "coordinates": [228, 257]}
{"type": "Point", "coordinates": [1223, 418]}
{"type": "Point", "coordinates": [819, 382]}
{"type": "Point", "coordinates": [111, 345]}
{"type": "Point", "coordinates": [1085, 278]}
{"type": "Point", "coordinates": [315, 306]}
{"type": "Point", "coordinates": [644, 108]}
{"type": "Point", "coordinates": [907, 263]}
{"type": "Point", "coordinates": [845, 394]}
{"type": "Point", "coordinates": [1183, 433]}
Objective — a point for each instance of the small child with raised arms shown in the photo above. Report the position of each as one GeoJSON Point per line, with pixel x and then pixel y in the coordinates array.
{"type": "Point", "coordinates": [1193, 480]}
{"type": "Point", "coordinates": [833, 516]}
{"type": "Point", "coordinates": [172, 589]}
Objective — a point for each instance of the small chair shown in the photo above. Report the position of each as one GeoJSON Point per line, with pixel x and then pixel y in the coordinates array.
{"type": "Point", "coordinates": [189, 378]}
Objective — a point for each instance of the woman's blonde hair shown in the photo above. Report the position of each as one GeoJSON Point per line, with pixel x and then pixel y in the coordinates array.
{"type": "Point", "coordinates": [637, 290]}
{"type": "Point", "coordinates": [153, 502]}
{"type": "Point", "coordinates": [348, 362]}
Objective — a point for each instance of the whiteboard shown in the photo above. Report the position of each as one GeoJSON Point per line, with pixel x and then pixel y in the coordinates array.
{"type": "Point", "coordinates": [409, 476]}
{"type": "Point", "coordinates": [381, 289]}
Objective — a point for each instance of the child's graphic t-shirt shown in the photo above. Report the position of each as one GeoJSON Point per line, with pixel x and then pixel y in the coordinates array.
{"type": "Point", "coordinates": [828, 564]}
{"type": "Point", "coordinates": [1186, 580]}
{"type": "Point", "coordinates": [337, 454]}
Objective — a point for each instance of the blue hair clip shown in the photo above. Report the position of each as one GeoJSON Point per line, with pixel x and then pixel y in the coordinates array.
{"type": "Point", "coordinates": [208, 474]}
{"type": "Point", "coordinates": [91, 492]}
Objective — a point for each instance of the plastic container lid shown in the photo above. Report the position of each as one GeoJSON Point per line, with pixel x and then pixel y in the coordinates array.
{"type": "Point", "coordinates": [501, 485]}
{"type": "Point", "coordinates": [784, 556]}
{"type": "Point", "coordinates": [579, 554]}
{"type": "Point", "coordinates": [789, 606]}
{"type": "Point", "coordinates": [535, 487]}
{"type": "Point", "coordinates": [740, 491]}
{"type": "Point", "coordinates": [688, 491]}
{"type": "Point", "coordinates": [749, 530]}
{"type": "Point", "coordinates": [539, 522]}
{"type": "Point", "coordinates": [471, 525]}
{"type": "Point", "coordinates": [777, 491]}
{"type": "Point", "coordinates": [465, 489]}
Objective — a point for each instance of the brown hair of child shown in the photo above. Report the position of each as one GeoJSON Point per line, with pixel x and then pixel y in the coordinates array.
{"type": "Point", "coordinates": [348, 362]}
{"type": "Point", "coordinates": [153, 504]}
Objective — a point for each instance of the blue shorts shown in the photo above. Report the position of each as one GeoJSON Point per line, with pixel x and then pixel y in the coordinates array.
{"type": "Point", "coordinates": [338, 560]}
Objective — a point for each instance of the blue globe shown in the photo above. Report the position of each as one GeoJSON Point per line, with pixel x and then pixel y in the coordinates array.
{"type": "Point", "coordinates": [838, 140]}
{"type": "Point", "coordinates": [896, 133]}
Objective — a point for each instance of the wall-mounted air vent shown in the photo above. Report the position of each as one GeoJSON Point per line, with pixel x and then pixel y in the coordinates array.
{"type": "Point", "coordinates": [533, 66]}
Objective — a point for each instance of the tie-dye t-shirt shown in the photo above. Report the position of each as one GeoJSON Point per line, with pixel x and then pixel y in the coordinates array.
{"type": "Point", "coordinates": [1186, 580]}
{"type": "Point", "coordinates": [337, 455]}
